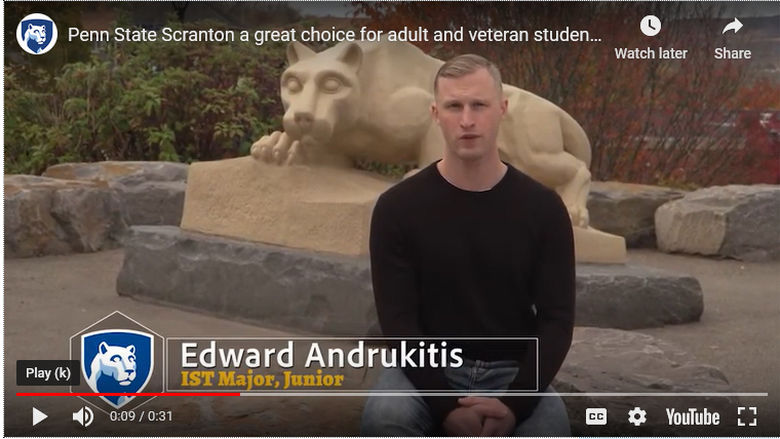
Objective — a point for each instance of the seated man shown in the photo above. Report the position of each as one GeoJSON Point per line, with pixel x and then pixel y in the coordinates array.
{"type": "Point", "coordinates": [472, 247]}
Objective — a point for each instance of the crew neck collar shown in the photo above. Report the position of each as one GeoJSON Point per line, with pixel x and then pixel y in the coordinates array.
{"type": "Point", "coordinates": [491, 189]}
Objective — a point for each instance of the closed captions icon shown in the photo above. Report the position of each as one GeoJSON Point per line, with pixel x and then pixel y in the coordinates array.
{"type": "Point", "coordinates": [596, 416]}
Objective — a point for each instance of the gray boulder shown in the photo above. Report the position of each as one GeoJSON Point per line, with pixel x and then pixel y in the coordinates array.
{"type": "Point", "coordinates": [319, 292]}
{"type": "Point", "coordinates": [741, 222]}
{"type": "Point", "coordinates": [632, 297]}
{"type": "Point", "coordinates": [628, 210]}
{"type": "Point", "coordinates": [150, 202]}
{"type": "Point", "coordinates": [149, 192]}
{"type": "Point", "coordinates": [50, 216]}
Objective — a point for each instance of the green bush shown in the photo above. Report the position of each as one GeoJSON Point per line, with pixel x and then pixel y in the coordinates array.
{"type": "Point", "coordinates": [143, 101]}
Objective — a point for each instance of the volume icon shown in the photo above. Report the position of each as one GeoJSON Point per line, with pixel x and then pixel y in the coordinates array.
{"type": "Point", "coordinates": [84, 416]}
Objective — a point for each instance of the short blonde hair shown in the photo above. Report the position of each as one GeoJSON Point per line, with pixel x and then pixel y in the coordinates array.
{"type": "Point", "coordinates": [463, 65]}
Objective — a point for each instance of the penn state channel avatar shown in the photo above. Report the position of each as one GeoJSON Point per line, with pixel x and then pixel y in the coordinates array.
{"type": "Point", "coordinates": [36, 34]}
{"type": "Point", "coordinates": [117, 361]}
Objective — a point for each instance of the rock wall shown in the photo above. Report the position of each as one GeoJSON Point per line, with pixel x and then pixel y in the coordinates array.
{"type": "Point", "coordinates": [50, 216]}
{"type": "Point", "coordinates": [86, 207]}
{"type": "Point", "coordinates": [149, 193]}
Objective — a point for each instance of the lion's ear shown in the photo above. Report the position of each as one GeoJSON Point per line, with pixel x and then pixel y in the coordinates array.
{"type": "Point", "coordinates": [103, 348]}
{"type": "Point", "coordinates": [131, 349]}
{"type": "Point", "coordinates": [297, 51]}
{"type": "Point", "coordinates": [352, 55]}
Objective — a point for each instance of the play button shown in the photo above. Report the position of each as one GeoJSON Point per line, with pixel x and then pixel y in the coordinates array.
{"type": "Point", "coordinates": [38, 416]}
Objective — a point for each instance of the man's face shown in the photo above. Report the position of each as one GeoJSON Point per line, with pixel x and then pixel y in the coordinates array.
{"type": "Point", "coordinates": [469, 110]}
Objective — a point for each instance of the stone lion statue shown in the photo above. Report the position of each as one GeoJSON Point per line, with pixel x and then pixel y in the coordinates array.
{"type": "Point", "coordinates": [371, 100]}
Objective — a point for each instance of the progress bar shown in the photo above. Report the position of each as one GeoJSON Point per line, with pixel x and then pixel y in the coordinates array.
{"type": "Point", "coordinates": [366, 393]}
{"type": "Point", "coordinates": [129, 394]}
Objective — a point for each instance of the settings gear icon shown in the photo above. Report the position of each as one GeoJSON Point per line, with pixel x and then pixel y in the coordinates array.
{"type": "Point", "coordinates": [637, 416]}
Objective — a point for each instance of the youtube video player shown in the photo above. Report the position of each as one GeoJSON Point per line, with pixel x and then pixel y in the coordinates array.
{"type": "Point", "coordinates": [391, 218]}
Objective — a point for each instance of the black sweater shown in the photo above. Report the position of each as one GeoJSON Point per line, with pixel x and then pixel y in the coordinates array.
{"type": "Point", "coordinates": [446, 262]}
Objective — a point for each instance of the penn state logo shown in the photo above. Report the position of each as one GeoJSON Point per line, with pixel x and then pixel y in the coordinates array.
{"type": "Point", "coordinates": [36, 34]}
{"type": "Point", "coordinates": [117, 361]}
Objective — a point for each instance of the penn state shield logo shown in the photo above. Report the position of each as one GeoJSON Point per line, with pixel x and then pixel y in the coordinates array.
{"type": "Point", "coordinates": [36, 34]}
{"type": "Point", "coordinates": [117, 361]}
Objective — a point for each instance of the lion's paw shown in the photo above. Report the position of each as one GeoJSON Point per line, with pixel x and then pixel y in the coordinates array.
{"type": "Point", "coordinates": [277, 148]}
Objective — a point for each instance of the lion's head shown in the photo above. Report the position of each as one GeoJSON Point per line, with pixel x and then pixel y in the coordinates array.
{"type": "Point", "coordinates": [37, 33]}
{"type": "Point", "coordinates": [320, 91]}
{"type": "Point", "coordinates": [117, 362]}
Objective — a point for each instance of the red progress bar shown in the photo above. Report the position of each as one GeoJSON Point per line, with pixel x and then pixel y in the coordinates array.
{"type": "Point", "coordinates": [129, 394]}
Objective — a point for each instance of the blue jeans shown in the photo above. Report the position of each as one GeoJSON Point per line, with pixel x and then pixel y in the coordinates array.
{"type": "Point", "coordinates": [409, 415]}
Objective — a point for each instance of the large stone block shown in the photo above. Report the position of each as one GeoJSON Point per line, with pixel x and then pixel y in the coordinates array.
{"type": "Point", "coordinates": [628, 210]}
{"type": "Point", "coordinates": [50, 216]}
{"type": "Point", "coordinates": [610, 361]}
{"type": "Point", "coordinates": [149, 193]}
{"type": "Point", "coordinates": [631, 297]}
{"type": "Point", "coordinates": [741, 222]}
{"type": "Point", "coordinates": [150, 202]}
{"type": "Point", "coordinates": [317, 292]}
{"type": "Point", "coordinates": [330, 293]}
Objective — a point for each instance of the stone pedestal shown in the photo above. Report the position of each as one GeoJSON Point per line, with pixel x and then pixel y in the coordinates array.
{"type": "Point", "coordinates": [332, 294]}
{"type": "Point", "coordinates": [595, 246]}
{"type": "Point", "coordinates": [312, 208]}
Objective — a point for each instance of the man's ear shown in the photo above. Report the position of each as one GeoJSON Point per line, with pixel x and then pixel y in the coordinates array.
{"type": "Point", "coordinates": [435, 112]}
{"type": "Point", "coordinates": [504, 105]}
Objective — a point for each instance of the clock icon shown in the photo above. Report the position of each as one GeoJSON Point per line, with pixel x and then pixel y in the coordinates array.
{"type": "Point", "coordinates": [650, 25]}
